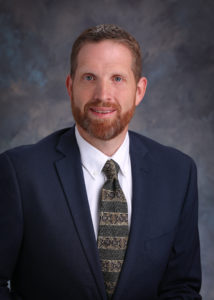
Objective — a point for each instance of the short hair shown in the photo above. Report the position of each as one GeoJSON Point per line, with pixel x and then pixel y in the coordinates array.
{"type": "Point", "coordinates": [107, 32]}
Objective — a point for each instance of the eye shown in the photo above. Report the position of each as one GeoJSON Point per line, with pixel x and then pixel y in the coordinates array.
{"type": "Point", "coordinates": [88, 77]}
{"type": "Point", "coordinates": [118, 78]}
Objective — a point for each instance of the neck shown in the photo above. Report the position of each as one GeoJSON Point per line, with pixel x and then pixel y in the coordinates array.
{"type": "Point", "coordinates": [108, 147]}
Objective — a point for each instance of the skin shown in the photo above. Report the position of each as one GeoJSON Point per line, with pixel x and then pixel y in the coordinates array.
{"type": "Point", "coordinates": [104, 73]}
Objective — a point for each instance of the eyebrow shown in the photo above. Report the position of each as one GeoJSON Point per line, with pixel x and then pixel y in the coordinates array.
{"type": "Point", "coordinates": [116, 73]}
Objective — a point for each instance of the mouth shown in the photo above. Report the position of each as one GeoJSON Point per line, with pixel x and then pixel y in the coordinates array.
{"type": "Point", "coordinates": [102, 111]}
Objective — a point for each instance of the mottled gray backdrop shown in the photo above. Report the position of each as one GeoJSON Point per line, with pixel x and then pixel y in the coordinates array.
{"type": "Point", "coordinates": [178, 47]}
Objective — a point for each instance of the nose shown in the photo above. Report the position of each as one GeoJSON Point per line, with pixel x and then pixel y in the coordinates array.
{"type": "Point", "coordinates": [103, 90]}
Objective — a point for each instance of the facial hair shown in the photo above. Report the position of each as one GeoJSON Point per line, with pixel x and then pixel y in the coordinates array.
{"type": "Point", "coordinates": [103, 129]}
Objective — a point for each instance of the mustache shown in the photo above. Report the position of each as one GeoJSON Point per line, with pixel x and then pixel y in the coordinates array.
{"type": "Point", "coordinates": [100, 103]}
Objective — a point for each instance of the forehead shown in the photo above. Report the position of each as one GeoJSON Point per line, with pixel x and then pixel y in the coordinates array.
{"type": "Point", "coordinates": [104, 53]}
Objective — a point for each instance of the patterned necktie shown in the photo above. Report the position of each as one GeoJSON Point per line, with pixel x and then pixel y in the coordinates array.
{"type": "Point", "coordinates": [113, 227]}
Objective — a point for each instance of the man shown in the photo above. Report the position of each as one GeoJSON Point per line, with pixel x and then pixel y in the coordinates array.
{"type": "Point", "coordinates": [95, 211]}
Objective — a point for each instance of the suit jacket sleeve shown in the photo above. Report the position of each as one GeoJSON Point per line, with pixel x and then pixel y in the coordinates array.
{"type": "Point", "coordinates": [10, 224]}
{"type": "Point", "coordinates": [182, 278]}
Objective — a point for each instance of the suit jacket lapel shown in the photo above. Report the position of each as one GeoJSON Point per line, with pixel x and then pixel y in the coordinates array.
{"type": "Point", "coordinates": [71, 176]}
{"type": "Point", "coordinates": [141, 169]}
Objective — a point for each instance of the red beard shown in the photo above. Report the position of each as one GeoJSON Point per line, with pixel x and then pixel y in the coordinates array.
{"type": "Point", "coordinates": [103, 129]}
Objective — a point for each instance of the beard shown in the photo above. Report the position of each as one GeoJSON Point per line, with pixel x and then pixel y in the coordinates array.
{"type": "Point", "coordinates": [103, 129]}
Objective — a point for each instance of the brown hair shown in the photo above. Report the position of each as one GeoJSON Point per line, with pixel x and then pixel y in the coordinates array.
{"type": "Point", "coordinates": [108, 32]}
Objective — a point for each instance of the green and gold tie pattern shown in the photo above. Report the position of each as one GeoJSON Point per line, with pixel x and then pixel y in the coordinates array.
{"type": "Point", "coordinates": [113, 227]}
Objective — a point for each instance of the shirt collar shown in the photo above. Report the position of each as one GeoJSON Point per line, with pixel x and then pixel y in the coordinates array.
{"type": "Point", "coordinates": [93, 159]}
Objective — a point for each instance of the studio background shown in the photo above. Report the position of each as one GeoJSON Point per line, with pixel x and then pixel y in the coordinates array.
{"type": "Point", "coordinates": [177, 40]}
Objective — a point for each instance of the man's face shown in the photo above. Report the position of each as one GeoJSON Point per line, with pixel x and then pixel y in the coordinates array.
{"type": "Point", "coordinates": [104, 91]}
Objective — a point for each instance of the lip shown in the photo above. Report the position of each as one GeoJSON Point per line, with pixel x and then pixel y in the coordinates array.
{"type": "Point", "coordinates": [102, 112]}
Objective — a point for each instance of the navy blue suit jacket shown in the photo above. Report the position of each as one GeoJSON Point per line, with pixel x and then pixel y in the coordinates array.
{"type": "Point", "coordinates": [47, 245]}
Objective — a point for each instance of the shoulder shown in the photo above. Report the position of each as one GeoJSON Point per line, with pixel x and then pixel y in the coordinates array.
{"type": "Point", "coordinates": [159, 153]}
{"type": "Point", "coordinates": [42, 150]}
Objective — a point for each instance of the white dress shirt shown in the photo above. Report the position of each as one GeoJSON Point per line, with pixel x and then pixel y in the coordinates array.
{"type": "Point", "coordinates": [93, 161]}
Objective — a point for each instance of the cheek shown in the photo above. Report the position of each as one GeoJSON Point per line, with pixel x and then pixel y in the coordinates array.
{"type": "Point", "coordinates": [80, 97]}
{"type": "Point", "coordinates": [127, 100]}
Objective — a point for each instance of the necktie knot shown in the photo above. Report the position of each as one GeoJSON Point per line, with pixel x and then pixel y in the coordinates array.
{"type": "Point", "coordinates": [111, 169]}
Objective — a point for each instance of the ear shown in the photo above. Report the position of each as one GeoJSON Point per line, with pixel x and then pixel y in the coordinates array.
{"type": "Point", "coordinates": [69, 85]}
{"type": "Point", "coordinates": [141, 89]}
